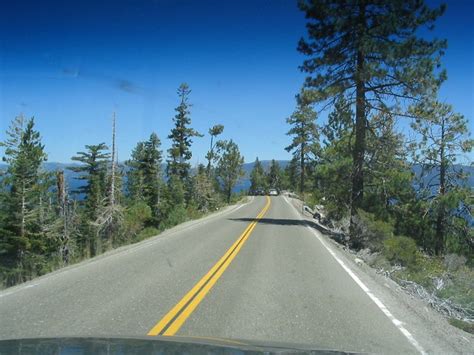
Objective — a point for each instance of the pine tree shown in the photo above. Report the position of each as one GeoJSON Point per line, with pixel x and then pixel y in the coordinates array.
{"type": "Point", "coordinates": [145, 181]}
{"type": "Point", "coordinates": [175, 194]}
{"type": "Point", "coordinates": [152, 175]}
{"type": "Point", "coordinates": [292, 173]}
{"type": "Point", "coordinates": [388, 174]}
{"type": "Point", "coordinates": [305, 136]}
{"type": "Point", "coordinates": [113, 169]}
{"type": "Point", "coordinates": [229, 166]}
{"type": "Point", "coordinates": [444, 137]}
{"type": "Point", "coordinates": [22, 240]}
{"type": "Point", "coordinates": [257, 177]}
{"type": "Point", "coordinates": [204, 194]}
{"type": "Point", "coordinates": [369, 52]}
{"type": "Point", "coordinates": [92, 170]}
{"type": "Point", "coordinates": [340, 124]}
{"type": "Point", "coordinates": [181, 137]}
{"type": "Point", "coordinates": [210, 156]}
{"type": "Point", "coordinates": [334, 169]}
{"type": "Point", "coordinates": [274, 175]}
{"type": "Point", "coordinates": [135, 173]}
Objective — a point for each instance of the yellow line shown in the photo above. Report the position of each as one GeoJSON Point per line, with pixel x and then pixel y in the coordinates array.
{"type": "Point", "coordinates": [198, 291]}
{"type": "Point", "coordinates": [165, 320]}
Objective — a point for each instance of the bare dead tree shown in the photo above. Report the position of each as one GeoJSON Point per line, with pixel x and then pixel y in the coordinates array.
{"type": "Point", "coordinates": [113, 167]}
{"type": "Point", "coordinates": [111, 214]}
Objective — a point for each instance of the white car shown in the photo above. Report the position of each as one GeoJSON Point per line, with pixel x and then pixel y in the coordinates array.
{"type": "Point", "coordinates": [273, 192]}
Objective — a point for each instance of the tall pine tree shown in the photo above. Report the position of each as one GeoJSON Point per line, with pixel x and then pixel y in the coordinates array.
{"type": "Point", "coordinates": [257, 177]}
{"type": "Point", "coordinates": [274, 175]}
{"type": "Point", "coordinates": [93, 171]}
{"type": "Point", "coordinates": [443, 138]}
{"type": "Point", "coordinates": [305, 137]}
{"type": "Point", "coordinates": [229, 166]}
{"type": "Point", "coordinates": [334, 170]}
{"type": "Point", "coordinates": [145, 181]}
{"type": "Point", "coordinates": [181, 137]}
{"type": "Point", "coordinates": [22, 238]}
{"type": "Point", "coordinates": [292, 174]}
{"type": "Point", "coordinates": [369, 52]}
{"type": "Point", "coordinates": [214, 131]}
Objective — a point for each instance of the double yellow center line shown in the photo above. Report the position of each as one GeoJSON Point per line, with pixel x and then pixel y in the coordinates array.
{"type": "Point", "coordinates": [176, 317]}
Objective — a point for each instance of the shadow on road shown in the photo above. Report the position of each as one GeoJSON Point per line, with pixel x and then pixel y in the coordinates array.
{"type": "Point", "coordinates": [293, 222]}
{"type": "Point", "coordinates": [277, 221]}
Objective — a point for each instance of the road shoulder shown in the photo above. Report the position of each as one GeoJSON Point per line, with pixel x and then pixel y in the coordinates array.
{"type": "Point", "coordinates": [430, 329]}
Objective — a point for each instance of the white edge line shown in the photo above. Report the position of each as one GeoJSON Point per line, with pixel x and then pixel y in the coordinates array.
{"type": "Point", "coordinates": [369, 293]}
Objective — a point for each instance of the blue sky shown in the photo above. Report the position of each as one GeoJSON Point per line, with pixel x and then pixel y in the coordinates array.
{"type": "Point", "coordinates": [71, 64]}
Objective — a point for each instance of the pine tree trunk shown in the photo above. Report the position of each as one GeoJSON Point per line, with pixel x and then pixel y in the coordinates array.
{"type": "Point", "coordinates": [360, 128]}
{"type": "Point", "coordinates": [61, 192]}
{"type": "Point", "coordinates": [23, 210]}
{"type": "Point", "coordinates": [110, 230]}
{"type": "Point", "coordinates": [440, 220]}
{"type": "Point", "coordinates": [112, 183]}
{"type": "Point", "coordinates": [64, 214]}
{"type": "Point", "coordinates": [211, 153]}
{"type": "Point", "coordinates": [358, 152]}
{"type": "Point", "coordinates": [302, 168]}
{"type": "Point", "coordinates": [439, 242]}
{"type": "Point", "coordinates": [41, 212]}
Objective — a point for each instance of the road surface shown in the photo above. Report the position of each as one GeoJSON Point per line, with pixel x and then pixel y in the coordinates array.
{"type": "Point", "coordinates": [253, 272]}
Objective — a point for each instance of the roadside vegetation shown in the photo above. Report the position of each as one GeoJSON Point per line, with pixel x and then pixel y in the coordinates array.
{"type": "Point", "coordinates": [385, 170]}
{"type": "Point", "coordinates": [45, 226]}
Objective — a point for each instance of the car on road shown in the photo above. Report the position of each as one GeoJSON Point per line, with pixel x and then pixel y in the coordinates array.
{"type": "Point", "coordinates": [259, 192]}
{"type": "Point", "coordinates": [273, 192]}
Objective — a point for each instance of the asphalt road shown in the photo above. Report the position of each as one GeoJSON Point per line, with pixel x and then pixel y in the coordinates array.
{"type": "Point", "coordinates": [253, 272]}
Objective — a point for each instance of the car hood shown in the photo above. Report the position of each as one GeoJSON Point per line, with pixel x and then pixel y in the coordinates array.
{"type": "Point", "coordinates": [154, 345]}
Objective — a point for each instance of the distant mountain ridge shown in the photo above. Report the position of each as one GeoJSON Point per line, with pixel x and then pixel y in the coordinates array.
{"type": "Point", "coordinates": [243, 184]}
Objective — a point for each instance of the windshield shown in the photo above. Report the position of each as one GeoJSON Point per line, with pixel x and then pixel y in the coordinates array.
{"type": "Point", "coordinates": [293, 172]}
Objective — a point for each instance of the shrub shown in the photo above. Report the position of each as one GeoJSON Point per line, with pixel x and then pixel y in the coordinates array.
{"type": "Point", "coordinates": [423, 271]}
{"type": "Point", "coordinates": [10, 276]}
{"type": "Point", "coordinates": [379, 261]}
{"type": "Point", "coordinates": [135, 218]}
{"type": "Point", "coordinates": [192, 212]}
{"type": "Point", "coordinates": [401, 250]}
{"type": "Point", "coordinates": [335, 210]}
{"type": "Point", "coordinates": [176, 216]}
{"type": "Point", "coordinates": [454, 261]}
{"type": "Point", "coordinates": [313, 198]}
{"type": "Point", "coordinates": [460, 288]}
{"type": "Point", "coordinates": [371, 233]}
{"type": "Point", "coordinates": [147, 233]}
{"type": "Point", "coordinates": [236, 197]}
{"type": "Point", "coordinates": [460, 238]}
